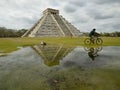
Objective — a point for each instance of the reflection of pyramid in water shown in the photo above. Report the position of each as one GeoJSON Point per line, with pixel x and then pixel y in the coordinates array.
{"type": "Point", "coordinates": [52, 54]}
{"type": "Point", "coordinates": [52, 24]}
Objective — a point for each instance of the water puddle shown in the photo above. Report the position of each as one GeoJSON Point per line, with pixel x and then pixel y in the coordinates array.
{"type": "Point", "coordinates": [55, 67]}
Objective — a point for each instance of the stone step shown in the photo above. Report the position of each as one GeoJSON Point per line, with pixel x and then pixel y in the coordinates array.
{"type": "Point", "coordinates": [62, 25]}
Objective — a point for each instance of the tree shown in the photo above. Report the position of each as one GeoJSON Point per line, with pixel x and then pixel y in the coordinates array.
{"type": "Point", "coordinates": [4, 32]}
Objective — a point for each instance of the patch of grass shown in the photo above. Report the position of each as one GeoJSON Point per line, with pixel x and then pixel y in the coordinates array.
{"type": "Point", "coordinates": [106, 79]}
{"type": "Point", "coordinates": [11, 44]}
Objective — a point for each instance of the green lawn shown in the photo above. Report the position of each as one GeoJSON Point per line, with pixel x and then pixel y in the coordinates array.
{"type": "Point", "coordinates": [11, 44]}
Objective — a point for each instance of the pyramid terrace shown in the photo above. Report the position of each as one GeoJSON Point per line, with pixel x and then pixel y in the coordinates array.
{"type": "Point", "coordinates": [51, 24]}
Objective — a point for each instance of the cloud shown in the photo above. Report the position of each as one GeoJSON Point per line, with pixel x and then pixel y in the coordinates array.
{"type": "Point", "coordinates": [78, 3]}
{"type": "Point", "coordinates": [73, 5]}
{"type": "Point", "coordinates": [69, 9]}
{"type": "Point", "coordinates": [108, 27]}
{"type": "Point", "coordinates": [116, 26]}
{"type": "Point", "coordinates": [107, 1]}
{"type": "Point", "coordinates": [100, 14]}
{"type": "Point", "coordinates": [104, 15]}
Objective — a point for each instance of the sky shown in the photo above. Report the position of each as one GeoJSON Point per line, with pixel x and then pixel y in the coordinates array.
{"type": "Point", "coordinates": [104, 15]}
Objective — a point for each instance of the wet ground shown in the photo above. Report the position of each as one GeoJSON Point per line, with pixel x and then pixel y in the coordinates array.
{"type": "Point", "coordinates": [60, 68]}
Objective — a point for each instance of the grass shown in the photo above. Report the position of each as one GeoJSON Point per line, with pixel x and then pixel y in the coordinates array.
{"type": "Point", "coordinates": [68, 79]}
{"type": "Point", "coordinates": [11, 44]}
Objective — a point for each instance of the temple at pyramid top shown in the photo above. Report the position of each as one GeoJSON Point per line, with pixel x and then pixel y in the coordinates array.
{"type": "Point", "coordinates": [51, 24]}
{"type": "Point", "coordinates": [50, 11]}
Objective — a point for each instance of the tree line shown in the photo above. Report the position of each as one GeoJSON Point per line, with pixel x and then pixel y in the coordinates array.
{"type": "Point", "coordinates": [4, 32]}
{"type": "Point", "coordinates": [105, 34]}
{"type": "Point", "coordinates": [112, 34]}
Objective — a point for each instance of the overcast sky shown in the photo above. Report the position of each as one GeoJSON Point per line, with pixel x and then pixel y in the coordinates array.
{"type": "Point", "coordinates": [104, 15]}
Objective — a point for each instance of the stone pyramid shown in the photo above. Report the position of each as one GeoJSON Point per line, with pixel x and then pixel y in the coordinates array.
{"type": "Point", "coordinates": [51, 24]}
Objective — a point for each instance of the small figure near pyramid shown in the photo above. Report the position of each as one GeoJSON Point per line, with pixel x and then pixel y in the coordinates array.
{"type": "Point", "coordinates": [51, 24]}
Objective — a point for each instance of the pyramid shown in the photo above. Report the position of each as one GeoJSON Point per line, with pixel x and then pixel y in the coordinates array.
{"type": "Point", "coordinates": [51, 24]}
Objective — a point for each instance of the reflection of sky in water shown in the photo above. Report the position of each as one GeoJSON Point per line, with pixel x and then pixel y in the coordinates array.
{"type": "Point", "coordinates": [109, 57]}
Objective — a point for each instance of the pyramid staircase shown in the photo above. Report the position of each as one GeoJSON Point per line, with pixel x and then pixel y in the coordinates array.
{"type": "Point", "coordinates": [52, 25]}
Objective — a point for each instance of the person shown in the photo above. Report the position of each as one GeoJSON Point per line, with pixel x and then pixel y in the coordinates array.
{"type": "Point", "coordinates": [93, 34]}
